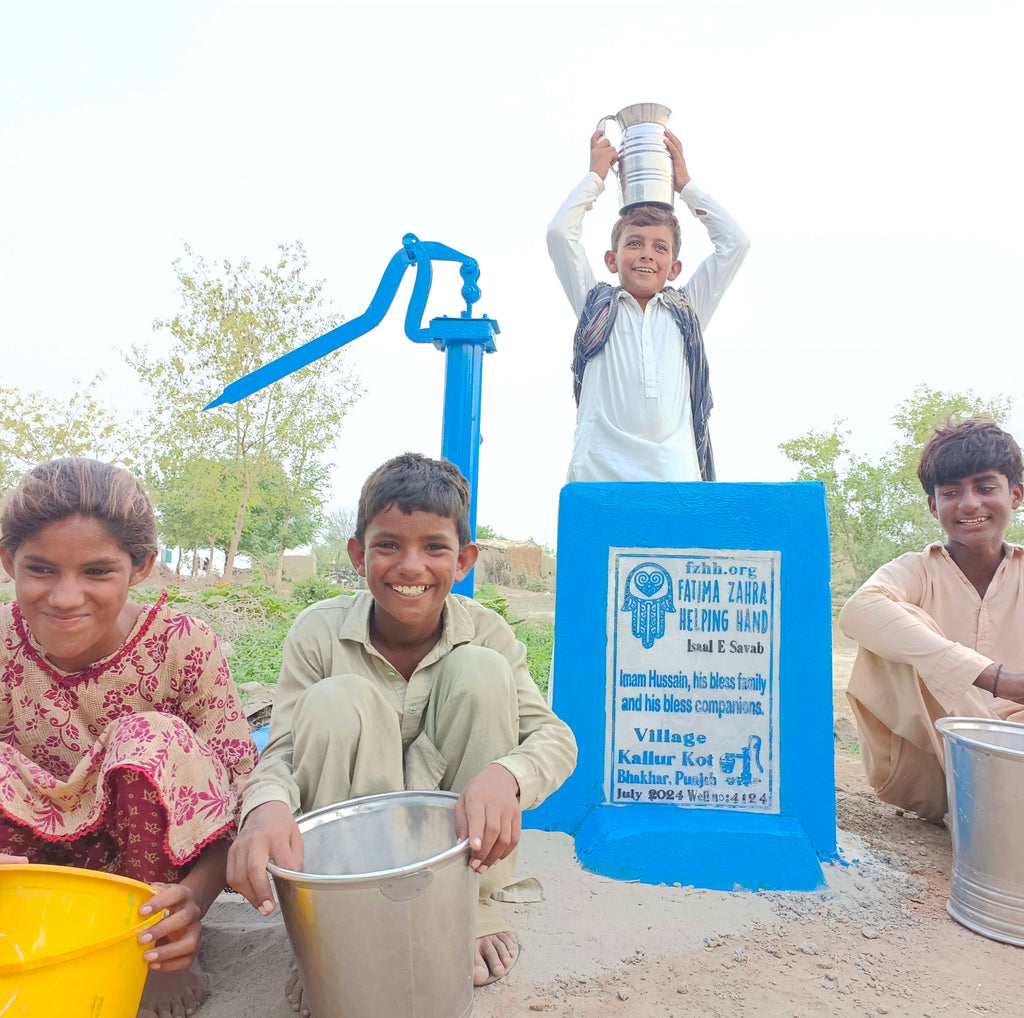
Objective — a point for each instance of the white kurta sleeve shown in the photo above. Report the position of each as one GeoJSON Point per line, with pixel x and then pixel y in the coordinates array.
{"type": "Point", "coordinates": [564, 241]}
{"type": "Point", "coordinates": [713, 276]}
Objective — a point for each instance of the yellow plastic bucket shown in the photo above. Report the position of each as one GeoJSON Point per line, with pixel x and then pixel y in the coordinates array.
{"type": "Point", "coordinates": [69, 942]}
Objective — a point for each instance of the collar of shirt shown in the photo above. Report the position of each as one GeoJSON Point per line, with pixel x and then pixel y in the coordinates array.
{"type": "Point", "coordinates": [456, 627]}
{"type": "Point", "coordinates": [1009, 550]}
{"type": "Point", "coordinates": [658, 298]}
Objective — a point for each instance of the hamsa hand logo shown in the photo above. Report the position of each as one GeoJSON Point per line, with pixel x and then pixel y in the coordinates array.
{"type": "Point", "coordinates": [649, 598]}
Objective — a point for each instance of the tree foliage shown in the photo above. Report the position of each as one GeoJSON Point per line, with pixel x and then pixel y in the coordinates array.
{"type": "Point", "coordinates": [878, 510]}
{"type": "Point", "coordinates": [233, 319]}
{"type": "Point", "coordinates": [285, 513]}
{"type": "Point", "coordinates": [331, 545]}
{"type": "Point", "coordinates": [35, 427]}
{"type": "Point", "coordinates": [196, 503]}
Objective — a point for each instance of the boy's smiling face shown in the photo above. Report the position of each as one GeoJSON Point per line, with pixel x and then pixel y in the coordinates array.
{"type": "Point", "coordinates": [975, 511]}
{"type": "Point", "coordinates": [643, 261]}
{"type": "Point", "coordinates": [410, 562]}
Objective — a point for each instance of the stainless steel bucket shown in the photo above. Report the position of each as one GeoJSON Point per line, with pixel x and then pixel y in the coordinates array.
{"type": "Point", "coordinates": [984, 782]}
{"type": "Point", "coordinates": [644, 165]}
{"type": "Point", "coordinates": [383, 919]}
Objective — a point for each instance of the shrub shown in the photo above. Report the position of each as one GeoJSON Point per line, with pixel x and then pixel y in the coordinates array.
{"type": "Point", "coordinates": [524, 581]}
{"type": "Point", "coordinates": [256, 655]}
{"type": "Point", "coordinates": [539, 638]}
{"type": "Point", "coordinates": [230, 610]}
{"type": "Point", "coordinates": [314, 588]}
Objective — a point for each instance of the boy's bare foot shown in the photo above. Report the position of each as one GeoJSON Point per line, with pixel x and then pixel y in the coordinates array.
{"type": "Point", "coordinates": [293, 993]}
{"type": "Point", "coordinates": [173, 994]}
{"type": "Point", "coordinates": [495, 955]}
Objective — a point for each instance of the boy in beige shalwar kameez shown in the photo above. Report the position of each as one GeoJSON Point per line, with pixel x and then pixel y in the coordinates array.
{"type": "Point", "coordinates": [406, 686]}
{"type": "Point", "coordinates": [941, 632]}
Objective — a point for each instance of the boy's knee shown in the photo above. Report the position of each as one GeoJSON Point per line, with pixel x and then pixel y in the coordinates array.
{"type": "Point", "coordinates": [336, 705]}
{"type": "Point", "coordinates": [478, 673]}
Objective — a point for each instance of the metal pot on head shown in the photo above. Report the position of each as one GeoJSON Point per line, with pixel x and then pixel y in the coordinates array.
{"type": "Point", "coordinates": [644, 165]}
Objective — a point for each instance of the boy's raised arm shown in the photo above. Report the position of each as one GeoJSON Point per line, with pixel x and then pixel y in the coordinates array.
{"type": "Point", "coordinates": [566, 229]}
{"type": "Point", "coordinates": [706, 286]}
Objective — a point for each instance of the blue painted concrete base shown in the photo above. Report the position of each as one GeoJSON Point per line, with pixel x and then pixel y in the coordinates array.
{"type": "Point", "coordinates": [717, 851]}
{"type": "Point", "coordinates": [782, 530]}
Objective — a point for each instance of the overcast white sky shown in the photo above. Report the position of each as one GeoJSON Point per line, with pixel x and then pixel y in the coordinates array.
{"type": "Point", "coordinates": [871, 150]}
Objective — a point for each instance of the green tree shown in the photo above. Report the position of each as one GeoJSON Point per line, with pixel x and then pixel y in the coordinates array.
{"type": "Point", "coordinates": [35, 427]}
{"type": "Point", "coordinates": [233, 319]}
{"type": "Point", "coordinates": [196, 501]}
{"type": "Point", "coordinates": [331, 545]}
{"type": "Point", "coordinates": [286, 513]}
{"type": "Point", "coordinates": [879, 510]}
{"type": "Point", "coordinates": [487, 533]}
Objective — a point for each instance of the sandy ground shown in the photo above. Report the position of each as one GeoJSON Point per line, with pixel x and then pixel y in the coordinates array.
{"type": "Point", "coordinates": [877, 941]}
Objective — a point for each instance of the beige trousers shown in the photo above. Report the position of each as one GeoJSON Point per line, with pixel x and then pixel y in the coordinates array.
{"type": "Point", "coordinates": [348, 743]}
{"type": "Point", "coordinates": [899, 745]}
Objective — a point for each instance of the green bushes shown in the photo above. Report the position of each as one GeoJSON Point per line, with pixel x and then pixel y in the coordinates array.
{"type": "Point", "coordinates": [314, 588]}
{"type": "Point", "coordinates": [256, 656]}
{"type": "Point", "coordinates": [231, 611]}
{"type": "Point", "coordinates": [539, 638]}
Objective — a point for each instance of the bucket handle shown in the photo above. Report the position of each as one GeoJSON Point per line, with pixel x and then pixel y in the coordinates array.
{"type": "Point", "coordinates": [600, 127]}
{"type": "Point", "coordinates": [409, 887]}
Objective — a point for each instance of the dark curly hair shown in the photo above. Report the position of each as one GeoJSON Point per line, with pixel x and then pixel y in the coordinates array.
{"type": "Point", "coordinates": [416, 483]}
{"type": "Point", "coordinates": [963, 448]}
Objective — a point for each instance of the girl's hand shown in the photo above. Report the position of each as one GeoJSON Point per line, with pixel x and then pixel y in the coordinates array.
{"type": "Point", "coordinates": [175, 939]}
{"type": "Point", "coordinates": [11, 859]}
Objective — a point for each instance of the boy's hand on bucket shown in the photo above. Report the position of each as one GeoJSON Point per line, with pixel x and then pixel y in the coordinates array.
{"type": "Point", "coordinates": [681, 176]}
{"type": "Point", "coordinates": [602, 155]}
{"type": "Point", "coordinates": [489, 814]}
{"type": "Point", "coordinates": [179, 930]}
{"type": "Point", "coordinates": [269, 832]}
{"type": "Point", "coordinates": [12, 860]}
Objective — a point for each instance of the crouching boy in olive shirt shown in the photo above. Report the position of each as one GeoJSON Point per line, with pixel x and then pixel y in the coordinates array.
{"type": "Point", "coordinates": [406, 686]}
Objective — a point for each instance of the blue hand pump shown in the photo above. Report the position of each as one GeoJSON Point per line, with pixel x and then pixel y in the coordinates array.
{"type": "Point", "coordinates": [464, 340]}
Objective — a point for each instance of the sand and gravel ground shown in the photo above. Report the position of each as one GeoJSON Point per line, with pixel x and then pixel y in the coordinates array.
{"type": "Point", "coordinates": [877, 941]}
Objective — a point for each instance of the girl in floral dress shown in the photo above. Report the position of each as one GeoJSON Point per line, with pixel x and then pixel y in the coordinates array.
{"type": "Point", "coordinates": [122, 740]}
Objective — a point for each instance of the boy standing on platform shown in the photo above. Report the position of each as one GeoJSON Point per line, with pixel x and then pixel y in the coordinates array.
{"type": "Point", "coordinates": [639, 372]}
{"type": "Point", "coordinates": [941, 632]}
{"type": "Point", "coordinates": [406, 686]}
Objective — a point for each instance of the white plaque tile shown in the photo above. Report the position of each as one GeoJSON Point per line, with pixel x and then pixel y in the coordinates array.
{"type": "Point", "coordinates": [693, 652]}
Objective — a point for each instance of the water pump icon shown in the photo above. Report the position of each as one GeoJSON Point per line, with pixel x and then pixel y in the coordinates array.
{"type": "Point", "coordinates": [752, 752]}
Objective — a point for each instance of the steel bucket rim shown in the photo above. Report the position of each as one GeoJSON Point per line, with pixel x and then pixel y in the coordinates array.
{"type": "Point", "coordinates": [375, 876]}
{"type": "Point", "coordinates": [949, 729]}
{"type": "Point", "coordinates": [630, 106]}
